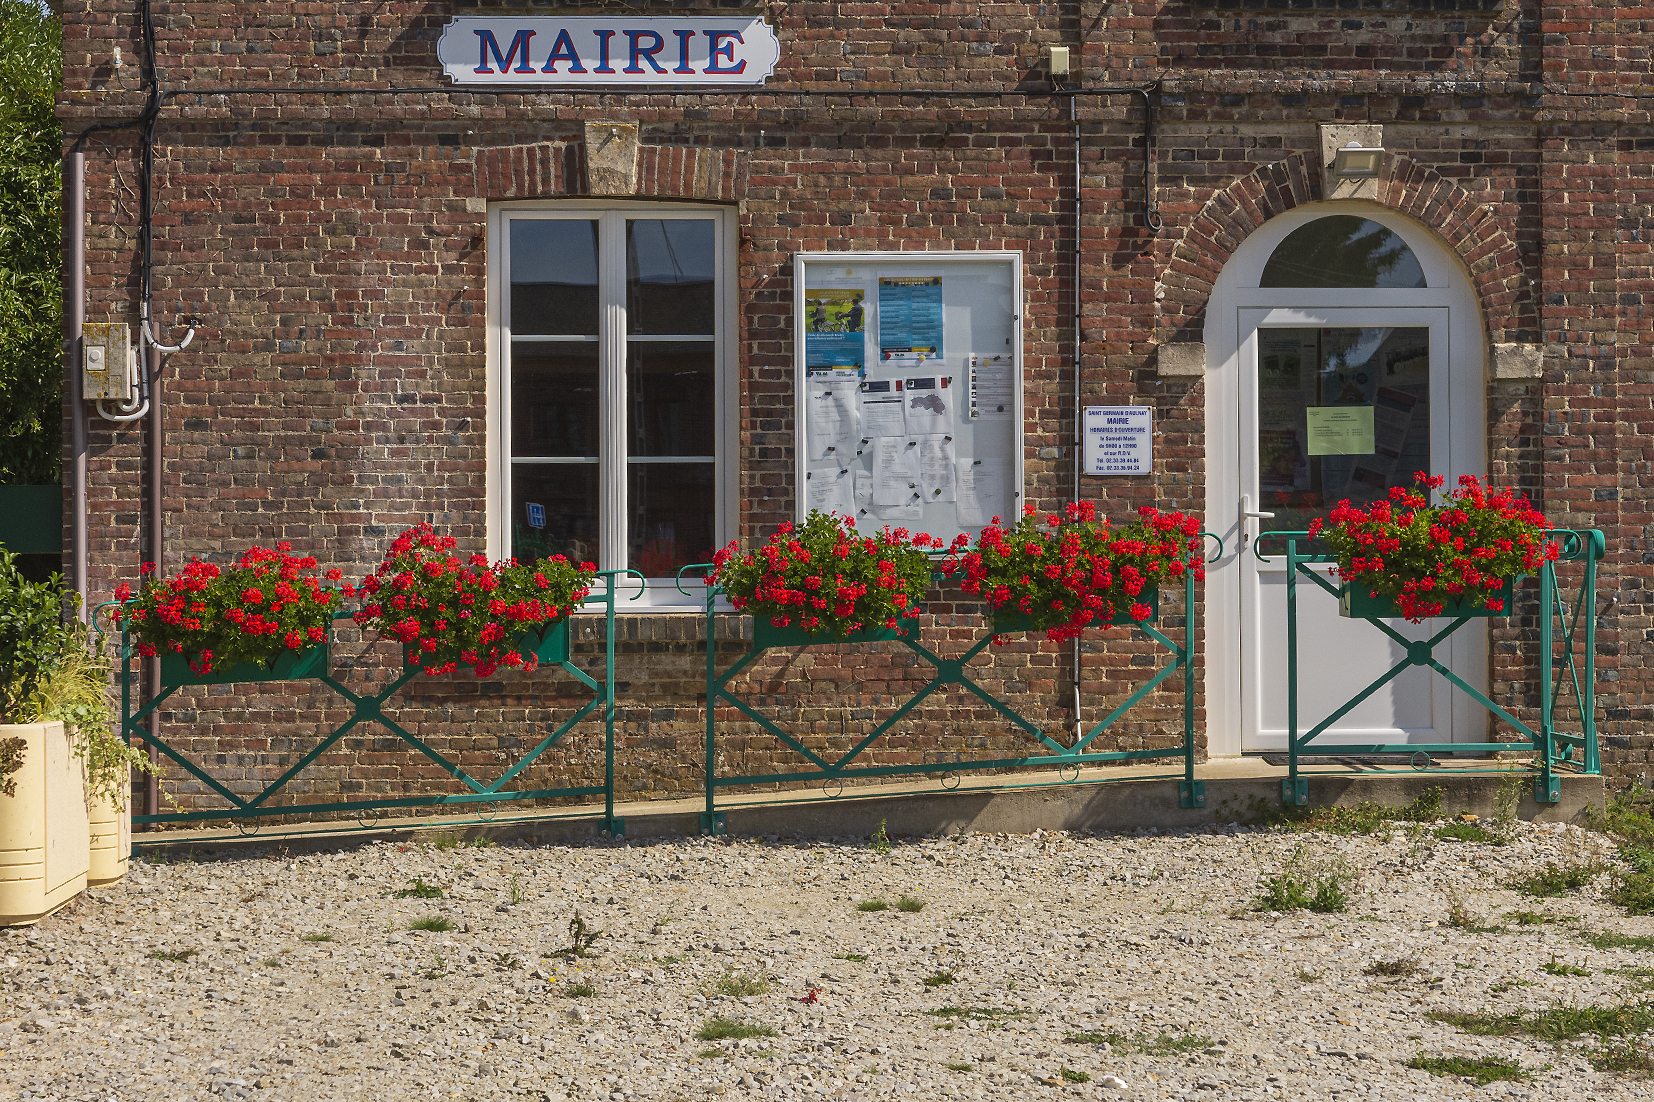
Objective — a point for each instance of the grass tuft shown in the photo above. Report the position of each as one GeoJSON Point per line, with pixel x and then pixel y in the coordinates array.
{"type": "Point", "coordinates": [1164, 1044]}
{"type": "Point", "coordinates": [1612, 939]}
{"type": "Point", "coordinates": [1634, 891]}
{"type": "Point", "coordinates": [1559, 968]}
{"type": "Point", "coordinates": [580, 990]}
{"type": "Point", "coordinates": [1393, 969]}
{"type": "Point", "coordinates": [960, 1067]}
{"type": "Point", "coordinates": [857, 957]}
{"type": "Point", "coordinates": [730, 1029]}
{"type": "Point", "coordinates": [910, 904]}
{"type": "Point", "coordinates": [1626, 1058]}
{"type": "Point", "coordinates": [938, 978]}
{"type": "Point", "coordinates": [1365, 817]}
{"type": "Point", "coordinates": [976, 1013]}
{"type": "Point", "coordinates": [1481, 1071]}
{"type": "Point", "coordinates": [317, 937]}
{"type": "Point", "coordinates": [1071, 1076]}
{"type": "Point", "coordinates": [435, 924]}
{"type": "Point", "coordinates": [736, 984]}
{"type": "Point", "coordinates": [872, 905]}
{"type": "Point", "coordinates": [418, 890]}
{"type": "Point", "coordinates": [1557, 880]}
{"type": "Point", "coordinates": [174, 956]}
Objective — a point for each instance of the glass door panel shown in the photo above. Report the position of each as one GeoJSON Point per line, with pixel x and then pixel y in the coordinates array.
{"type": "Point", "coordinates": [671, 276]}
{"type": "Point", "coordinates": [671, 514]}
{"type": "Point", "coordinates": [670, 390]}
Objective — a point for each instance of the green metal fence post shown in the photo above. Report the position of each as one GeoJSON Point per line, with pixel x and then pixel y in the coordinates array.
{"type": "Point", "coordinates": [1597, 546]}
{"type": "Point", "coordinates": [1190, 792]}
{"type": "Point", "coordinates": [613, 827]}
{"type": "Point", "coordinates": [712, 820]}
{"type": "Point", "coordinates": [1547, 787]}
{"type": "Point", "coordinates": [1295, 789]}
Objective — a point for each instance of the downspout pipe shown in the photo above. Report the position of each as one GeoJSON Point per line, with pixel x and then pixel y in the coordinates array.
{"type": "Point", "coordinates": [74, 326]}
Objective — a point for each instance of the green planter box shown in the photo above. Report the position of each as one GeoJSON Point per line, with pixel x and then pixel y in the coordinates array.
{"type": "Point", "coordinates": [293, 665]}
{"type": "Point", "coordinates": [548, 643]}
{"type": "Point", "coordinates": [1004, 622]}
{"type": "Point", "coordinates": [1357, 602]}
{"type": "Point", "coordinates": [766, 635]}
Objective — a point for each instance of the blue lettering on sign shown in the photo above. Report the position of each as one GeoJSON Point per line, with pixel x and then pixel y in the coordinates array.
{"type": "Point", "coordinates": [719, 46]}
{"type": "Point", "coordinates": [563, 50]}
{"type": "Point", "coordinates": [684, 39]}
{"type": "Point", "coordinates": [486, 44]}
{"type": "Point", "coordinates": [646, 53]}
{"type": "Point", "coordinates": [603, 65]}
{"type": "Point", "coordinates": [536, 514]}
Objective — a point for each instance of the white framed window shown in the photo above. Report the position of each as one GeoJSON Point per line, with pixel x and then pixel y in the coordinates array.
{"type": "Point", "coordinates": [612, 385]}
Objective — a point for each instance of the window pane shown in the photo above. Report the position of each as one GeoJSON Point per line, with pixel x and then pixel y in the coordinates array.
{"type": "Point", "coordinates": [554, 398]}
{"type": "Point", "coordinates": [553, 276]}
{"type": "Point", "coordinates": [669, 275]}
{"type": "Point", "coordinates": [669, 395]}
{"type": "Point", "coordinates": [1342, 251]}
{"type": "Point", "coordinates": [1364, 393]}
{"type": "Point", "coordinates": [671, 507]}
{"type": "Point", "coordinates": [566, 494]}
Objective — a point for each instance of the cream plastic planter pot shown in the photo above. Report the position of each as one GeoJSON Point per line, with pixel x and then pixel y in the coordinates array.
{"type": "Point", "coordinates": [111, 829]}
{"type": "Point", "coordinates": [45, 835]}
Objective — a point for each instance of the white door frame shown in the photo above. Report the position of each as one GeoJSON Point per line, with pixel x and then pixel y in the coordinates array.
{"type": "Point", "coordinates": [1237, 289]}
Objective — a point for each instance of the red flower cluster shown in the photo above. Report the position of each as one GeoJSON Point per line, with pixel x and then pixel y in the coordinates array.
{"type": "Point", "coordinates": [1072, 571]}
{"type": "Point", "coordinates": [448, 612]}
{"type": "Point", "coordinates": [828, 578]}
{"type": "Point", "coordinates": [263, 604]}
{"type": "Point", "coordinates": [1423, 556]}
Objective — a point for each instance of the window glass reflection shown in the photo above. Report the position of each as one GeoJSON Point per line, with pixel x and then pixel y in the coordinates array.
{"type": "Point", "coordinates": [1342, 250]}
{"type": "Point", "coordinates": [554, 393]}
{"type": "Point", "coordinates": [670, 516]}
{"type": "Point", "coordinates": [669, 388]}
{"type": "Point", "coordinates": [565, 522]}
{"type": "Point", "coordinates": [669, 276]}
{"type": "Point", "coordinates": [1343, 413]}
{"type": "Point", "coordinates": [553, 277]}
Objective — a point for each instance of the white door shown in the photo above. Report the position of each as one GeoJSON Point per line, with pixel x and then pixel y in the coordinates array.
{"type": "Point", "coordinates": [1322, 394]}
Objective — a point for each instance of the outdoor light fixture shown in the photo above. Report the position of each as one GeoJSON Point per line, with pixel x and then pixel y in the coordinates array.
{"type": "Point", "coordinates": [1357, 162]}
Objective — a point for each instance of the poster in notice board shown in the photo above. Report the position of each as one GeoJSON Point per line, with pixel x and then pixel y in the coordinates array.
{"type": "Point", "coordinates": [930, 344]}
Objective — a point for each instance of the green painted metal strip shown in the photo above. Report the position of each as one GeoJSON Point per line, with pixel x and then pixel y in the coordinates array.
{"type": "Point", "coordinates": [195, 771]}
{"type": "Point", "coordinates": [458, 799]}
{"type": "Point", "coordinates": [1144, 690]}
{"type": "Point", "coordinates": [772, 728]}
{"type": "Point", "coordinates": [1009, 713]}
{"type": "Point", "coordinates": [893, 719]}
{"type": "Point", "coordinates": [528, 759]}
{"type": "Point", "coordinates": [1391, 675]}
{"type": "Point", "coordinates": [441, 762]}
{"type": "Point", "coordinates": [954, 767]}
{"type": "Point", "coordinates": [1476, 695]}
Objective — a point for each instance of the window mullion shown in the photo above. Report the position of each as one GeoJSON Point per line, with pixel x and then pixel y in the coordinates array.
{"type": "Point", "coordinates": [612, 407]}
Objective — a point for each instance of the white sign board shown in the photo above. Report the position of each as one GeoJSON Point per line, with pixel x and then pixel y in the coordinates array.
{"type": "Point", "coordinates": [605, 50]}
{"type": "Point", "coordinates": [1119, 440]}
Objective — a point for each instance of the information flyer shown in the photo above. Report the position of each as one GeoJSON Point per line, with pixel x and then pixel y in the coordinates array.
{"type": "Point", "coordinates": [910, 318]}
{"type": "Point", "coordinates": [835, 328]}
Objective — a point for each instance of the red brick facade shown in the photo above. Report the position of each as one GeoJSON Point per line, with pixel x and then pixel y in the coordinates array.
{"type": "Point", "coordinates": [334, 247]}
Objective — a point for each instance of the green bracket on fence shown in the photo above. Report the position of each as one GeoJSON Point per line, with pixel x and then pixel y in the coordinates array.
{"type": "Point", "coordinates": [553, 648]}
{"type": "Point", "coordinates": [947, 671]}
{"type": "Point", "coordinates": [1578, 670]}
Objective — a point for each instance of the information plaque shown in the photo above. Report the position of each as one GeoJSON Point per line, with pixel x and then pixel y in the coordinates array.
{"type": "Point", "coordinates": [1119, 440]}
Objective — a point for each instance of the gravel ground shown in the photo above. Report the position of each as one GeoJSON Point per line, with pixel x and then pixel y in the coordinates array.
{"type": "Point", "coordinates": [301, 978]}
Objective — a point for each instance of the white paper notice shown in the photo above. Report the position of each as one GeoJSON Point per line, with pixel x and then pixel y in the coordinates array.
{"type": "Point", "coordinates": [864, 491]}
{"type": "Point", "coordinates": [929, 406]}
{"type": "Point", "coordinates": [980, 486]}
{"type": "Point", "coordinates": [916, 511]}
{"type": "Point", "coordinates": [991, 398]}
{"type": "Point", "coordinates": [936, 468]}
{"type": "Point", "coordinates": [881, 409]}
{"type": "Point", "coordinates": [831, 491]}
{"type": "Point", "coordinates": [895, 471]}
{"type": "Point", "coordinates": [830, 419]}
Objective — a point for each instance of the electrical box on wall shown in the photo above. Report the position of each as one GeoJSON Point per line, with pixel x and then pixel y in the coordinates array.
{"type": "Point", "coordinates": [108, 369]}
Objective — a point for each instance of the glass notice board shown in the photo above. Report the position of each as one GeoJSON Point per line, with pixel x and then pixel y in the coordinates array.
{"type": "Point", "coordinates": [909, 388]}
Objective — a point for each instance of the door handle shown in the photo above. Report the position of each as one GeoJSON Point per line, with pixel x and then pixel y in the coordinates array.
{"type": "Point", "coordinates": [1249, 514]}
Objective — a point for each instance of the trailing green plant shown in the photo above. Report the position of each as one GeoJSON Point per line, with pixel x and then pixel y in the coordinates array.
{"type": "Point", "coordinates": [448, 612]}
{"type": "Point", "coordinates": [1556, 880]}
{"type": "Point", "coordinates": [418, 889]}
{"type": "Point", "coordinates": [266, 603]}
{"type": "Point", "coordinates": [1305, 884]}
{"type": "Point", "coordinates": [828, 578]}
{"type": "Point", "coordinates": [1634, 891]}
{"type": "Point", "coordinates": [31, 256]}
{"type": "Point", "coordinates": [1479, 1070]}
{"type": "Point", "coordinates": [35, 638]}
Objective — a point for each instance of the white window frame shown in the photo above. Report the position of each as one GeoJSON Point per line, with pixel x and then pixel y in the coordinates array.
{"type": "Point", "coordinates": [612, 465]}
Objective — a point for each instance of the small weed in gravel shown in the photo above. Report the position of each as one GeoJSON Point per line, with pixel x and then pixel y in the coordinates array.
{"type": "Point", "coordinates": [879, 841]}
{"type": "Point", "coordinates": [1558, 1022]}
{"type": "Point", "coordinates": [1162, 1045]}
{"type": "Point", "coordinates": [736, 984]}
{"type": "Point", "coordinates": [910, 904]}
{"type": "Point", "coordinates": [174, 956]}
{"type": "Point", "coordinates": [1365, 817]}
{"type": "Point", "coordinates": [1071, 1076]}
{"type": "Point", "coordinates": [1560, 968]}
{"type": "Point", "coordinates": [937, 979]}
{"type": "Point", "coordinates": [1393, 969]}
{"type": "Point", "coordinates": [1305, 975]}
{"type": "Point", "coordinates": [1460, 917]}
{"type": "Point", "coordinates": [976, 1013]}
{"type": "Point", "coordinates": [710, 1053]}
{"type": "Point", "coordinates": [872, 905]}
{"type": "Point", "coordinates": [1480, 1071]}
{"type": "Point", "coordinates": [1537, 918]}
{"type": "Point", "coordinates": [1634, 891]}
{"type": "Point", "coordinates": [1287, 892]}
{"type": "Point", "coordinates": [1501, 988]}
{"type": "Point", "coordinates": [272, 962]}
{"type": "Point", "coordinates": [435, 924]}
{"type": "Point", "coordinates": [1466, 832]}
{"type": "Point", "coordinates": [730, 1029]}
{"type": "Point", "coordinates": [1556, 880]}
{"type": "Point", "coordinates": [1626, 1058]}
{"type": "Point", "coordinates": [317, 937]}
{"type": "Point", "coordinates": [960, 1067]}
{"type": "Point", "coordinates": [857, 957]}
{"type": "Point", "coordinates": [579, 990]}
{"type": "Point", "coordinates": [1612, 939]}
{"type": "Point", "coordinates": [505, 962]}
{"type": "Point", "coordinates": [418, 890]}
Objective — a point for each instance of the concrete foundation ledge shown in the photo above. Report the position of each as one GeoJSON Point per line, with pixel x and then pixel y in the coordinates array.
{"type": "Point", "coordinates": [1089, 806]}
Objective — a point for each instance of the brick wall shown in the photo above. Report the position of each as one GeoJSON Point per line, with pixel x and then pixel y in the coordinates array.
{"type": "Point", "coordinates": [333, 248]}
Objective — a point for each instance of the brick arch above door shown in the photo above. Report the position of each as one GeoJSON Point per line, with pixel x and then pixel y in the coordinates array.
{"type": "Point", "coordinates": [569, 168]}
{"type": "Point", "coordinates": [1468, 227]}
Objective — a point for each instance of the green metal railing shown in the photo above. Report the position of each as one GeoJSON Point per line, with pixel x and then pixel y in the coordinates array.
{"type": "Point", "coordinates": [1577, 670]}
{"type": "Point", "coordinates": [833, 770]}
{"type": "Point", "coordinates": [249, 811]}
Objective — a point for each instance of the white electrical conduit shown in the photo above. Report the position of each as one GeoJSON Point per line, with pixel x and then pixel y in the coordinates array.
{"type": "Point", "coordinates": [146, 338]}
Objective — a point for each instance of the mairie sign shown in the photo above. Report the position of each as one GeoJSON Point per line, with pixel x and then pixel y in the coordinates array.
{"type": "Point", "coordinates": [608, 51]}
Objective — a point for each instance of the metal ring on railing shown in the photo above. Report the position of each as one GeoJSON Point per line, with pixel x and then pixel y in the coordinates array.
{"type": "Point", "coordinates": [1062, 772]}
{"type": "Point", "coordinates": [832, 788]}
{"type": "Point", "coordinates": [1215, 536]}
{"type": "Point", "coordinates": [367, 818]}
{"type": "Point", "coordinates": [487, 812]}
{"type": "Point", "coordinates": [249, 827]}
{"type": "Point", "coordinates": [1419, 760]}
{"type": "Point", "coordinates": [678, 581]}
{"type": "Point", "coordinates": [1572, 544]}
{"type": "Point", "coordinates": [950, 780]}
